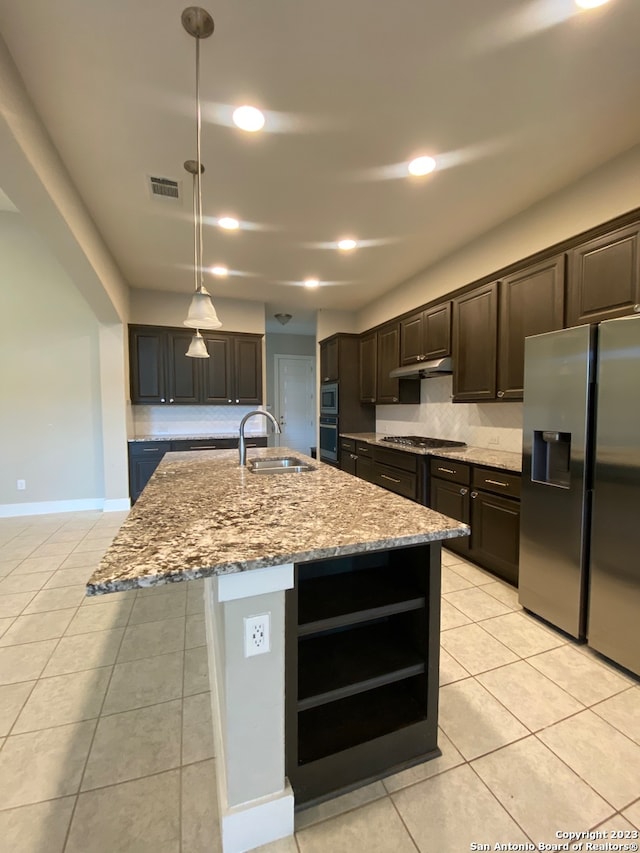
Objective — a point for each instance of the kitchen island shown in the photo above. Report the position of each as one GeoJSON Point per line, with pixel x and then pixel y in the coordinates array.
{"type": "Point", "coordinates": [345, 576]}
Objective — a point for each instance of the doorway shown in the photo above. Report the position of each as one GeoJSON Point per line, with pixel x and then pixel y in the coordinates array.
{"type": "Point", "coordinates": [295, 400]}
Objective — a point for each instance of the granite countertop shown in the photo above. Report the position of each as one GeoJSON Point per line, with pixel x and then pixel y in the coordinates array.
{"type": "Point", "coordinates": [171, 437]}
{"type": "Point", "coordinates": [202, 515]}
{"type": "Point", "coordinates": [503, 459]}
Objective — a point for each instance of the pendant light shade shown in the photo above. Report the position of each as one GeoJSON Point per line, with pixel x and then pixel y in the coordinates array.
{"type": "Point", "coordinates": [197, 347]}
{"type": "Point", "coordinates": [202, 314]}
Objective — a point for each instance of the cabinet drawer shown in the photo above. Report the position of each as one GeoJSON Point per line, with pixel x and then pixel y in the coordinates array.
{"type": "Point", "coordinates": [149, 449]}
{"type": "Point", "coordinates": [205, 444]}
{"type": "Point", "coordinates": [401, 482]}
{"type": "Point", "coordinates": [348, 445]}
{"type": "Point", "coordinates": [363, 449]}
{"type": "Point", "coordinates": [447, 469]}
{"type": "Point", "coordinates": [499, 482]}
{"type": "Point", "coordinates": [396, 459]}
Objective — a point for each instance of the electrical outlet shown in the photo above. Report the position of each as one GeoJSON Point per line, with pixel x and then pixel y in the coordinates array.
{"type": "Point", "coordinates": [494, 441]}
{"type": "Point", "coordinates": [257, 635]}
{"type": "Point", "coordinates": [21, 485]}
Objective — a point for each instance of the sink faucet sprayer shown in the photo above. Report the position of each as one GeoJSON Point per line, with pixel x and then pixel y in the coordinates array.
{"type": "Point", "coordinates": [242, 448]}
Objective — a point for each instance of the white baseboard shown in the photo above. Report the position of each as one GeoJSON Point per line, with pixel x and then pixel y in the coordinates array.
{"type": "Point", "coordinates": [253, 824]}
{"type": "Point", "coordinates": [46, 507]}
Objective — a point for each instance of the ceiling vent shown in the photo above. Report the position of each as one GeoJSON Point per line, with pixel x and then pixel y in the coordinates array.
{"type": "Point", "coordinates": [164, 188]}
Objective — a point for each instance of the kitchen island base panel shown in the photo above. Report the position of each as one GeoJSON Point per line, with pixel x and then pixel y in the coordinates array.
{"type": "Point", "coordinates": [255, 801]}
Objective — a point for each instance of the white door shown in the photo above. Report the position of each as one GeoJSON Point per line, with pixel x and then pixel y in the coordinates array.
{"type": "Point", "coordinates": [295, 400]}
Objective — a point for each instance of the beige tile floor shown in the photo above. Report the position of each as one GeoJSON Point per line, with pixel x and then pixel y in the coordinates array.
{"type": "Point", "coordinates": [105, 729]}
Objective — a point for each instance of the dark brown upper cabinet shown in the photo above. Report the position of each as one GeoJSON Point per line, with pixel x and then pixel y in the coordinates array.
{"type": "Point", "coordinates": [531, 302]}
{"type": "Point", "coordinates": [388, 357]}
{"type": "Point", "coordinates": [475, 329]}
{"type": "Point", "coordinates": [426, 334]}
{"type": "Point", "coordinates": [161, 373]}
{"type": "Point", "coordinates": [604, 278]}
{"type": "Point", "coordinates": [329, 360]}
{"type": "Point", "coordinates": [368, 367]}
{"type": "Point", "coordinates": [159, 369]}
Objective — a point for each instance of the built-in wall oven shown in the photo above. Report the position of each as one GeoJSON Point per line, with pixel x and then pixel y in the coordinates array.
{"type": "Point", "coordinates": [329, 399]}
{"type": "Point", "coordinates": [328, 438]}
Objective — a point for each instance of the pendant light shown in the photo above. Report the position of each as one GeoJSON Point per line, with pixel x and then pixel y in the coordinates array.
{"type": "Point", "coordinates": [202, 315]}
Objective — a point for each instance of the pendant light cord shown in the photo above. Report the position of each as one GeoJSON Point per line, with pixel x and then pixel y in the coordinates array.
{"type": "Point", "coordinates": [199, 271]}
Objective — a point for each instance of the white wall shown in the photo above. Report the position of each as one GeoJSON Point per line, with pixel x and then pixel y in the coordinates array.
{"type": "Point", "coordinates": [285, 345]}
{"type": "Point", "coordinates": [50, 384]}
{"type": "Point", "coordinates": [159, 308]}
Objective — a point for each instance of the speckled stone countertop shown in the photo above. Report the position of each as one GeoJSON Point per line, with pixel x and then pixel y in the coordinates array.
{"type": "Point", "coordinates": [202, 515]}
{"type": "Point", "coordinates": [503, 459]}
{"type": "Point", "coordinates": [196, 437]}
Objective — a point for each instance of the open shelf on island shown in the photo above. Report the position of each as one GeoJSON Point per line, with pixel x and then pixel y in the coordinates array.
{"type": "Point", "coordinates": [362, 649]}
{"type": "Point", "coordinates": [342, 663]}
{"type": "Point", "coordinates": [341, 725]}
{"type": "Point", "coordinates": [346, 598]}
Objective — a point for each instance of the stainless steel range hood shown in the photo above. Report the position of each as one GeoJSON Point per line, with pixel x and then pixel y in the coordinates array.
{"type": "Point", "coordinates": [423, 369]}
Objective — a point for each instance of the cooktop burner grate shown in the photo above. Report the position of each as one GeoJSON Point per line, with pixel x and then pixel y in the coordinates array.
{"type": "Point", "coordinates": [422, 441]}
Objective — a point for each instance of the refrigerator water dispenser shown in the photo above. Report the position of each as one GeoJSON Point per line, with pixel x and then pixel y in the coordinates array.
{"type": "Point", "coordinates": [551, 457]}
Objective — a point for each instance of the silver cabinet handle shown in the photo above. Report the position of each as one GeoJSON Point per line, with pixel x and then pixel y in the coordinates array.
{"type": "Point", "coordinates": [353, 455]}
{"type": "Point", "coordinates": [474, 494]}
{"type": "Point", "coordinates": [229, 401]}
{"type": "Point", "coordinates": [463, 491]}
{"type": "Point", "coordinates": [497, 483]}
{"type": "Point", "coordinates": [636, 308]}
{"type": "Point", "coordinates": [171, 399]}
{"type": "Point", "coordinates": [206, 446]}
{"type": "Point", "coordinates": [447, 470]}
{"type": "Point", "coordinates": [395, 399]}
{"type": "Point", "coordinates": [501, 394]}
{"type": "Point", "coordinates": [151, 450]}
{"type": "Point", "coordinates": [237, 401]}
{"type": "Point", "coordinates": [393, 479]}
{"type": "Point", "coordinates": [162, 399]}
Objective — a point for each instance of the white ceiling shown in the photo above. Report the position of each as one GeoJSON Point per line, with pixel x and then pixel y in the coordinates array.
{"type": "Point", "coordinates": [516, 98]}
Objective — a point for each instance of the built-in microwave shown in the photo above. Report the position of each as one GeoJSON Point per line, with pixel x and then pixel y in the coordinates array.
{"type": "Point", "coordinates": [329, 398]}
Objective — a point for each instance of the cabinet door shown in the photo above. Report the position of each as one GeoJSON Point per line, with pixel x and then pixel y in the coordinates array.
{"type": "Point", "coordinates": [388, 358]}
{"type": "Point", "coordinates": [452, 499]}
{"type": "Point", "coordinates": [368, 367]}
{"type": "Point", "coordinates": [329, 361]}
{"type": "Point", "coordinates": [183, 374]}
{"type": "Point", "coordinates": [217, 369]}
{"type": "Point", "coordinates": [348, 461]}
{"type": "Point", "coordinates": [531, 302]}
{"type": "Point", "coordinates": [604, 278]}
{"type": "Point", "coordinates": [247, 370]}
{"type": "Point", "coordinates": [364, 468]}
{"type": "Point", "coordinates": [495, 537]}
{"type": "Point", "coordinates": [144, 458]}
{"type": "Point", "coordinates": [437, 331]}
{"type": "Point", "coordinates": [147, 369]}
{"type": "Point", "coordinates": [475, 327]}
{"type": "Point", "coordinates": [412, 347]}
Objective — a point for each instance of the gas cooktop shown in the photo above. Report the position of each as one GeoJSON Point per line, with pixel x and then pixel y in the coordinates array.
{"type": "Point", "coordinates": [422, 441]}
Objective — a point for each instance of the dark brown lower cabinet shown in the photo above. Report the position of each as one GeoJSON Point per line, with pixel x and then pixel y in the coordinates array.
{"type": "Point", "coordinates": [362, 661]}
{"type": "Point", "coordinates": [493, 512]}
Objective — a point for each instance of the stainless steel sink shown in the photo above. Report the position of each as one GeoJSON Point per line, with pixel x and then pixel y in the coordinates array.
{"type": "Point", "coordinates": [286, 464]}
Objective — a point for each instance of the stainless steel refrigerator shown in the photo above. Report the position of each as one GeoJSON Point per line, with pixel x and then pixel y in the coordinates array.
{"type": "Point", "coordinates": [580, 523]}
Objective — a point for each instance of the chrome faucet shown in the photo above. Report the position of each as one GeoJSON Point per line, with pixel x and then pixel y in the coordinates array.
{"type": "Point", "coordinates": [242, 448]}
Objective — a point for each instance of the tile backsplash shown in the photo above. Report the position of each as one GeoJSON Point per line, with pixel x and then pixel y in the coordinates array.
{"type": "Point", "coordinates": [490, 425]}
{"type": "Point", "coordinates": [193, 420]}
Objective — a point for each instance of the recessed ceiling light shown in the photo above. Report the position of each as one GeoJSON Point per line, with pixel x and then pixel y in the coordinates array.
{"type": "Point", "coordinates": [248, 118]}
{"type": "Point", "coordinates": [220, 270]}
{"type": "Point", "coordinates": [311, 282]}
{"type": "Point", "coordinates": [590, 4]}
{"type": "Point", "coordinates": [421, 166]}
{"type": "Point", "coordinates": [347, 244]}
{"type": "Point", "coordinates": [228, 223]}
